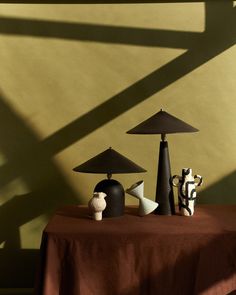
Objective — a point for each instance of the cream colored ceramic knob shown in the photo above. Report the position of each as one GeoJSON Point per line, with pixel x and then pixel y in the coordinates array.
{"type": "Point", "coordinates": [97, 204]}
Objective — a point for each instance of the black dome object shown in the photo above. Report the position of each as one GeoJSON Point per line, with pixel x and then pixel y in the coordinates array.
{"type": "Point", "coordinates": [162, 123]}
{"type": "Point", "coordinates": [109, 162]}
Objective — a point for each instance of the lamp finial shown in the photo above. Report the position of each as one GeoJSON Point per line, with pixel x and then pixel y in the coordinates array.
{"type": "Point", "coordinates": [163, 137]}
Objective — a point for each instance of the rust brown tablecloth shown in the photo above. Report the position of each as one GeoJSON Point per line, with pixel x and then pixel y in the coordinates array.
{"type": "Point", "coordinates": [132, 255]}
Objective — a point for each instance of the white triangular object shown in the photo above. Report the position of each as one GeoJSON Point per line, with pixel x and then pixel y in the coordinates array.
{"type": "Point", "coordinates": [146, 205]}
{"type": "Point", "coordinates": [136, 190]}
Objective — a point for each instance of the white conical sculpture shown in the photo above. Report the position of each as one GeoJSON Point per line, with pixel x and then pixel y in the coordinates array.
{"type": "Point", "coordinates": [97, 204]}
{"type": "Point", "coordinates": [146, 206]}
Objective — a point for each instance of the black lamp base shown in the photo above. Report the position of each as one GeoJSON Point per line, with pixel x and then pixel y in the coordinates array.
{"type": "Point", "coordinates": [115, 197]}
{"type": "Point", "coordinates": [164, 189]}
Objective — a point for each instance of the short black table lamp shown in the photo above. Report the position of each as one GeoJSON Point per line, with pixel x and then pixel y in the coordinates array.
{"type": "Point", "coordinates": [110, 162]}
{"type": "Point", "coordinates": [163, 123]}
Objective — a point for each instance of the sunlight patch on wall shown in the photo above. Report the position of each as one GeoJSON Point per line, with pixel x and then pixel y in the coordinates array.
{"type": "Point", "coordinates": [3, 159]}
{"type": "Point", "coordinates": [12, 189]}
{"type": "Point", "coordinates": [31, 232]}
{"type": "Point", "coordinates": [2, 245]}
{"type": "Point", "coordinates": [60, 92]}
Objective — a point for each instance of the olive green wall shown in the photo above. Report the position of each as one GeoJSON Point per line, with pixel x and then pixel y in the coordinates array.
{"type": "Point", "coordinates": [75, 78]}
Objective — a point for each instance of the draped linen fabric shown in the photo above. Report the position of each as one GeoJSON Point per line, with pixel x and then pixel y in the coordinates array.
{"type": "Point", "coordinates": [132, 255]}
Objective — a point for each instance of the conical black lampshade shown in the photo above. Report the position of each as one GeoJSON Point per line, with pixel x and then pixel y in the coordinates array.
{"type": "Point", "coordinates": [109, 162]}
{"type": "Point", "coordinates": [162, 123]}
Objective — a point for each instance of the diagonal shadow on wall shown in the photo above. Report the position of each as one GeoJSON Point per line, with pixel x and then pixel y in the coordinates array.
{"type": "Point", "coordinates": [97, 33]}
{"type": "Point", "coordinates": [211, 43]}
{"type": "Point", "coordinates": [217, 37]}
{"type": "Point", "coordinates": [221, 192]}
{"type": "Point", "coordinates": [30, 158]}
{"type": "Point", "coordinates": [45, 183]}
{"type": "Point", "coordinates": [46, 187]}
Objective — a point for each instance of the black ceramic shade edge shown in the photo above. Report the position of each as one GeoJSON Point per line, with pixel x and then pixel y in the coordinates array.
{"type": "Point", "coordinates": [108, 172]}
{"type": "Point", "coordinates": [162, 123]}
{"type": "Point", "coordinates": [154, 133]}
{"type": "Point", "coordinates": [109, 162]}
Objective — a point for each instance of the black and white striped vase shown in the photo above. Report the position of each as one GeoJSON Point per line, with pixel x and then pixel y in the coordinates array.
{"type": "Point", "coordinates": [187, 194]}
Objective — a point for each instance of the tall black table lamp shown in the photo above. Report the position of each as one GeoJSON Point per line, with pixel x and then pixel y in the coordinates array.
{"type": "Point", "coordinates": [110, 162]}
{"type": "Point", "coordinates": [163, 123]}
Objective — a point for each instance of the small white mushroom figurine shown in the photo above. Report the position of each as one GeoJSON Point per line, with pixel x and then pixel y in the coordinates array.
{"type": "Point", "coordinates": [97, 204]}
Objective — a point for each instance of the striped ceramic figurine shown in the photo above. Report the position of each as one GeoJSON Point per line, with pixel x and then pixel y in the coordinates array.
{"type": "Point", "coordinates": [187, 190]}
